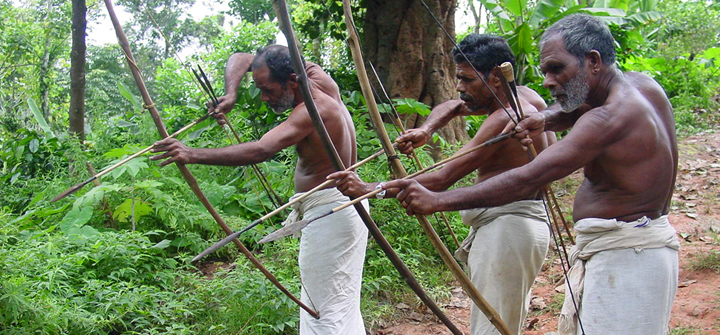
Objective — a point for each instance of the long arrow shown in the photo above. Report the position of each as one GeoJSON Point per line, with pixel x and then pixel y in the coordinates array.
{"type": "Point", "coordinates": [444, 253]}
{"type": "Point", "coordinates": [324, 185]}
{"type": "Point", "coordinates": [302, 78]}
{"type": "Point", "coordinates": [78, 186]}
{"type": "Point", "coordinates": [150, 106]}
{"type": "Point", "coordinates": [299, 225]}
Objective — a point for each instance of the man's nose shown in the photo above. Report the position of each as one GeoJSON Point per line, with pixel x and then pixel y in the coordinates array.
{"type": "Point", "coordinates": [460, 87]}
{"type": "Point", "coordinates": [549, 82]}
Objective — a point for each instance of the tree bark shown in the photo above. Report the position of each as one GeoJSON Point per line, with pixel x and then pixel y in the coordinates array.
{"type": "Point", "coordinates": [77, 70]}
{"type": "Point", "coordinates": [44, 70]}
{"type": "Point", "coordinates": [413, 56]}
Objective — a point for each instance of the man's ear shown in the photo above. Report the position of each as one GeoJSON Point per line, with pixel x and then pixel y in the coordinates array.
{"type": "Point", "coordinates": [292, 81]}
{"type": "Point", "coordinates": [594, 59]}
{"type": "Point", "coordinates": [493, 79]}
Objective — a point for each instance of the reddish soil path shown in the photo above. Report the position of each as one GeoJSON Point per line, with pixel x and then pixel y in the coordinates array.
{"type": "Point", "coordinates": [696, 216]}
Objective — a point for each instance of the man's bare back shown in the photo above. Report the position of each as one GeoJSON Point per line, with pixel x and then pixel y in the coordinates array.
{"type": "Point", "coordinates": [313, 162]}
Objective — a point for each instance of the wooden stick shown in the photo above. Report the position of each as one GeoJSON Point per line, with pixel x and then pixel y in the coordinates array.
{"type": "Point", "coordinates": [189, 178]}
{"type": "Point", "coordinates": [324, 185]}
{"type": "Point", "coordinates": [444, 253]}
{"type": "Point", "coordinates": [76, 187]}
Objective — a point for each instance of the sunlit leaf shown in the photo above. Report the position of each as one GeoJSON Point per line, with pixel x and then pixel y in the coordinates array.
{"type": "Point", "coordinates": [39, 117]}
{"type": "Point", "coordinates": [125, 210]}
{"type": "Point", "coordinates": [76, 217]}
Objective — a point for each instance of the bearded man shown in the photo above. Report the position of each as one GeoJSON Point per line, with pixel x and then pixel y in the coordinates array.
{"type": "Point", "coordinates": [332, 249]}
{"type": "Point", "coordinates": [625, 264]}
{"type": "Point", "coordinates": [507, 244]}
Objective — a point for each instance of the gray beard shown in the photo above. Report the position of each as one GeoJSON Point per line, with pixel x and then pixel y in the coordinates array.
{"type": "Point", "coordinates": [285, 103]}
{"type": "Point", "coordinates": [576, 91]}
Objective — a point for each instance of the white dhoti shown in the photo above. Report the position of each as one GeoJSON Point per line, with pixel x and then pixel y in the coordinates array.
{"type": "Point", "coordinates": [623, 277]}
{"type": "Point", "coordinates": [332, 252]}
{"type": "Point", "coordinates": [504, 252]}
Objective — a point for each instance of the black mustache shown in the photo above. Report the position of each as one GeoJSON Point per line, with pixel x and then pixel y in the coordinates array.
{"type": "Point", "coordinates": [465, 97]}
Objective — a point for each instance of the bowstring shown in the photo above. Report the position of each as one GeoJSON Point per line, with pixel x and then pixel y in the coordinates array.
{"type": "Point", "coordinates": [545, 205]}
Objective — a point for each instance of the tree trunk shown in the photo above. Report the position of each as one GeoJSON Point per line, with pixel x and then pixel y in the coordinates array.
{"type": "Point", "coordinates": [44, 70]}
{"type": "Point", "coordinates": [413, 56]}
{"type": "Point", "coordinates": [77, 70]}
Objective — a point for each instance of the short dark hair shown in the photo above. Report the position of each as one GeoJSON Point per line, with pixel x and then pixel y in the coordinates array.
{"type": "Point", "coordinates": [583, 33]}
{"type": "Point", "coordinates": [277, 59]}
{"type": "Point", "coordinates": [484, 51]}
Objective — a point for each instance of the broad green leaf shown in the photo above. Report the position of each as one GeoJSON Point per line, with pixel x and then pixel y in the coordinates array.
{"type": "Point", "coordinates": [605, 11]}
{"type": "Point", "coordinates": [193, 105]}
{"type": "Point", "coordinates": [544, 10]}
{"type": "Point", "coordinates": [524, 38]}
{"type": "Point", "coordinates": [76, 217]}
{"type": "Point", "coordinates": [119, 152]}
{"type": "Point", "coordinates": [148, 184]}
{"type": "Point", "coordinates": [125, 92]}
{"type": "Point", "coordinates": [124, 211]}
{"type": "Point", "coordinates": [84, 231]}
{"type": "Point", "coordinates": [516, 6]}
{"type": "Point", "coordinates": [411, 106]}
{"type": "Point", "coordinates": [641, 19]}
{"type": "Point", "coordinates": [39, 117]}
{"type": "Point", "coordinates": [34, 145]}
{"type": "Point", "coordinates": [620, 4]}
{"type": "Point", "coordinates": [125, 124]}
{"type": "Point", "coordinates": [162, 244]}
{"type": "Point", "coordinates": [196, 134]}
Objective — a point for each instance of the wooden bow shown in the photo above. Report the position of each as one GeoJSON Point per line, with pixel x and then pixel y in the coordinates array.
{"type": "Point", "coordinates": [444, 253]}
{"type": "Point", "coordinates": [189, 178]}
{"type": "Point", "coordinates": [296, 58]}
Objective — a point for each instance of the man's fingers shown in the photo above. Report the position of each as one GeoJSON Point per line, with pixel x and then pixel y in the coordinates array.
{"type": "Point", "coordinates": [405, 147]}
{"type": "Point", "coordinates": [338, 175]}
{"type": "Point", "coordinates": [397, 183]}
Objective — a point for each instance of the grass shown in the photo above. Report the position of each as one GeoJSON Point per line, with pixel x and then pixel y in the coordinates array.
{"type": "Point", "coordinates": [708, 261]}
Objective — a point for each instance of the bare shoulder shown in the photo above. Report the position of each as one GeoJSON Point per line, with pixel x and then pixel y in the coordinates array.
{"type": "Point", "coordinates": [532, 97]}
{"type": "Point", "coordinates": [322, 81]}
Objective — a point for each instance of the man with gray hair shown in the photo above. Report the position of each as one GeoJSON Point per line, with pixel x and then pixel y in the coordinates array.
{"type": "Point", "coordinates": [625, 264]}
{"type": "Point", "coordinates": [332, 250]}
{"type": "Point", "coordinates": [507, 244]}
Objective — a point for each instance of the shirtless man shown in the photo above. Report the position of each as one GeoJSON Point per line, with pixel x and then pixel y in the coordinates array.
{"type": "Point", "coordinates": [332, 250]}
{"type": "Point", "coordinates": [446, 111]}
{"type": "Point", "coordinates": [507, 244]}
{"type": "Point", "coordinates": [623, 135]}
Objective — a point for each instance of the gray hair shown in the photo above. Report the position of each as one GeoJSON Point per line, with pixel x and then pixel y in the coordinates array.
{"type": "Point", "coordinates": [583, 33]}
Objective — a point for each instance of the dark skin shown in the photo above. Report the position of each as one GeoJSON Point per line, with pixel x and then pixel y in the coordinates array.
{"type": "Point", "coordinates": [446, 111]}
{"type": "Point", "coordinates": [487, 161]}
{"type": "Point", "coordinates": [313, 163]}
{"type": "Point", "coordinates": [624, 138]}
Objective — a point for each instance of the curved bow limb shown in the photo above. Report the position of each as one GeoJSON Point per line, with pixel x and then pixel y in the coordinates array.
{"type": "Point", "coordinates": [449, 260]}
{"type": "Point", "coordinates": [296, 58]}
{"type": "Point", "coordinates": [189, 178]}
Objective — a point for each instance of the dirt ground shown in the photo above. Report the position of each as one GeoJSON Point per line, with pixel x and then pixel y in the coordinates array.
{"type": "Point", "coordinates": [695, 214]}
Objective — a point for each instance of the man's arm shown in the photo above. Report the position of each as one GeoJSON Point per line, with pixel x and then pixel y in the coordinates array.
{"type": "Point", "coordinates": [590, 136]}
{"type": "Point", "coordinates": [351, 185]}
{"type": "Point", "coordinates": [439, 117]}
{"type": "Point", "coordinates": [238, 64]}
{"type": "Point", "coordinates": [293, 130]}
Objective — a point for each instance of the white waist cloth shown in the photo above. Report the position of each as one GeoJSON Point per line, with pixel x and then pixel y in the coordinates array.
{"type": "Point", "coordinates": [504, 252]}
{"type": "Point", "coordinates": [332, 252]}
{"type": "Point", "coordinates": [623, 277]}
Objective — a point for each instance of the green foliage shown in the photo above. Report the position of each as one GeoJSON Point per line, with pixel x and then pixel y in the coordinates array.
{"type": "Point", "coordinates": [26, 154]}
{"type": "Point", "coordinates": [691, 83]}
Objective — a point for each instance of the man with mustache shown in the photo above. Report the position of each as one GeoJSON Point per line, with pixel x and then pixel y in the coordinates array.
{"type": "Point", "coordinates": [625, 264]}
{"type": "Point", "coordinates": [507, 244]}
{"type": "Point", "coordinates": [332, 250]}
